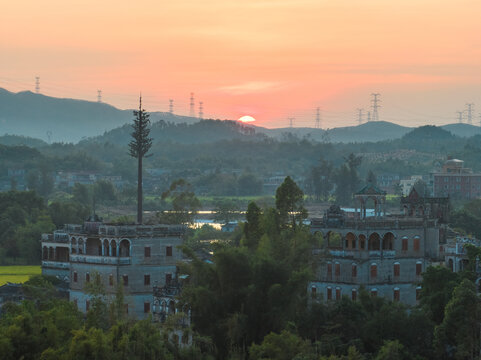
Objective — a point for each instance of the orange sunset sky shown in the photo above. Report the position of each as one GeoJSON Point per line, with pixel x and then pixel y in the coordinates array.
{"type": "Point", "coordinates": [270, 59]}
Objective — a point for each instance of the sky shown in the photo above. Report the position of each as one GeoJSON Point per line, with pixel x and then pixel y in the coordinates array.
{"type": "Point", "coordinates": [269, 59]}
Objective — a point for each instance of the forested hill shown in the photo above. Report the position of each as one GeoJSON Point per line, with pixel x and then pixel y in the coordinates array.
{"type": "Point", "coordinates": [63, 120]}
{"type": "Point", "coordinates": [205, 131]}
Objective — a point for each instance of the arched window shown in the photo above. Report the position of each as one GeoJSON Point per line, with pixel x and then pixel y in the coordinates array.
{"type": "Point", "coordinates": [404, 244]}
{"type": "Point", "coordinates": [373, 271]}
{"type": "Point", "coordinates": [388, 241]}
{"type": "Point", "coordinates": [329, 293]}
{"type": "Point", "coordinates": [374, 242]}
{"type": "Point", "coordinates": [396, 294]}
{"type": "Point", "coordinates": [373, 292]}
{"type": "Point", "coordinates": [338, 293]}
{"type": "Point", "coordinates": [397, 269]}
{"type": "Point", "coordinates": [419, 268]}
{"type": "Point", "coordinates": [350, 241]}
{"type": "Point", "coordinates": [124, 248]}
{"type": "Point", "coordinates": [362, 242]}
{"type": "Point", "coordinates": [354, 270]}
{"type": "Point", "coordinates": [416, 243]}
{"type": "Point", "coordinates": [338, 269]}
{"type": "Point", "coordinates": [354, 294]}
{"type": "Point", "coordinates": [113, 248]}
{"type": "Point", "coordinates": [329, 270]}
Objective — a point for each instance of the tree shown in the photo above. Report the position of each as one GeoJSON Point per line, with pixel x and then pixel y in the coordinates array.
{"type": "Point", "coordinates": [139, 147]}
{"type": "Point", "coordinates": [283, 346]}
{"type": "Point", "coordinates": [458, 334]}
{"type": "Point", "coordinates": [371, 178]}
{"type": "Point", "coordinates": [290, 202]}
{"type": "Point", "coordinates": [81, 194]}
{"type": "Point", "coordinates": [225, 210]}
{"type": "Point", "coordinates": [252, 226]}
{"type": "Point", "coordinates": [249, 184]}
{"type": "Point", "coordinates": [184, 203]}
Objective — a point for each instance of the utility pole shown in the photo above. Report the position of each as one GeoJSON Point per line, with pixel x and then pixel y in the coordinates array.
{"type": "Point", "coordinates": [201, 110]}
{"type": "Point", "coordinates": [375, 106]}
{"type": "Point", "coordinates": [192, 105]}
{"type": "Point", "coordinates": [359, 115]}
{"type": "Point", "coordinates": [470, 112]}
{"type": "Point", "coordinates": [318, 118]}
{"type": "Point", "coordinates": [99, 96]}
{"type": "Point", "coordinates": [291, 121]}
{"type": "Point", "coordinates": [37, 85]}
{"type": "Point", "coordinates": [171, 106]}
{"type": "Point", "coordinates": [460, 116]}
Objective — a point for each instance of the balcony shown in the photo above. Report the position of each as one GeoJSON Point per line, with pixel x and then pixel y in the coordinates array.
{"type": "Point", "coordinates": [55, 265]}
{"type": "Point", "coordinates": [362, 254]}
{"type": "Point", "coordinates": [102, 260]}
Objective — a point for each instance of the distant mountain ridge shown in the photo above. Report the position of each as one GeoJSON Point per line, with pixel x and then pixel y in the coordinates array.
{"type": "Point", "coordinates": [70, 120]}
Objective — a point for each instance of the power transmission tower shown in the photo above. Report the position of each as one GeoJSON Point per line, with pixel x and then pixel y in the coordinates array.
{"type": "Point", "coordinates": [318, 118]}
{"type": "Point", "coordinates": [99, 96]}
{"type": "Point", "coordinates": [37, 85]}
{"type": "Point", "coordinates": [192, 105]}
{"type": "Point", "coordinates": [291, 121]}
{"type": "Point", "coordinates": [479, 119]}
{"type": "Point", "coordinates": [470, 112]}
{"type": "Point", "coordinates": [201, 110]}
{"type": "Point", "coordinates": [375, 106]}
{"type": "Point", "coordinates": [460, 116]}
{"type": "Point", "coordinates": [171, 106]}
{"type": "Point", "coordinates": [359, 115]}
{"type": "Point", "coordinates": [368, 116]}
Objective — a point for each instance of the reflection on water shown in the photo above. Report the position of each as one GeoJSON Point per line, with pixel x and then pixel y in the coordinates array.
{"type": "Point", "coordinates": [200, 222]}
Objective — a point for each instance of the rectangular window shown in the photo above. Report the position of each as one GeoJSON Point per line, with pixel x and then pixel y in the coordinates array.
{"type": "Point", "coordinates": [354, 294]}
{"type": "Point", "coordinates": [373, 271]}
{"type": "Point", "coordinates": [416, 244]}
{"type": "Point", "coordinates": [329, 270]}
{"type": "Point", "coordinates": [111, 280]}
{"type": "Point", "coordinates": [147, 251]}
{"type": "Point", "coordinates": [405, 244]}
{"type": "Point", "coordinates": [168, 251]}
{"type": "Point", "coordinates": [168, 278]}
{"type": "Point", "coordinates": [146, 279]}
{"type": "Point", "coordinates": [146, 307]}
{"type": "Point", "coordinates": [313, 291]}
{"type": "Point", "coordinates": [354, 270]}
{"type": "Point", "coordinates": [419, 269]}
{"type": "Point", "coordinates": [338, 294]}
{"type": "Point", "coordinates": [87, 277]}
{"type": "Point", "coordinates": [126, 280]}
{"type": "Point", "coordinates": [397, 270]}
{"type": "Point", "coordinates": [396, 295]}
{"type": "Point", "coordinates": [373, 293]}
{"type": "Point", "coordinates": [75, 276]}
{"type": "Point", "coordinates": [329, 293]}
{"type": "Point", "coordinates": [338, 269]}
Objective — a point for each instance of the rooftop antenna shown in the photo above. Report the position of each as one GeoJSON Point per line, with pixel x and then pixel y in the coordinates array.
{"type": "Point", "coordinates": [375, 106]}
{"type": "Point", "coordinates": [460, 116]}
{"type": "Point", "coordinates": [201, 110]}
{"type": "Point", "coordinates": [99, 96]}
{"type": "Point", "coordinates": [318, 118]}
{"type": "Point", "coordinates": [291, 121]}
{"type": "Point", "coordinates": [359, 115]}
{"type": "Point", "coordinates": [470, 112]}
{"type": "Point", "coordinates": [171, 106]}
{"type": "Point", "coordinates": [192, 105]}
{"type": "Point", "coordinates": [37, 85]}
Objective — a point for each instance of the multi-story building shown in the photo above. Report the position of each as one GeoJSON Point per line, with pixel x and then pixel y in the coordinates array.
{"type": "Point", "coordinates": [456, 181]}
{"type": "Point", "coordinates": [138, 256]}
{"type": "Point", "coordinates": [385, 254]}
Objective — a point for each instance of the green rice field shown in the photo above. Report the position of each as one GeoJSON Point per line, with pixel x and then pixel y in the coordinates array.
{"type": "Point", "coordinates": [17, 274]}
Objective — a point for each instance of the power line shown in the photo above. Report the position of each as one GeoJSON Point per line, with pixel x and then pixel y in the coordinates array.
{"type": "Point", "coordinates": [470, 112]}
{"type": "Point", "coordinates": [201, 110]}
{"type": "Point", "coordinates": [359, 115]}
{"type": "Point", "coordinates": [375, 106]}
{"type": "Point", "coordinates": [460, 116]}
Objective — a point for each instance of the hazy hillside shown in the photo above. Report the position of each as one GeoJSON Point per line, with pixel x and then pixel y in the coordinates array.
{"type": "Point", "coordinates": [463, 130]}
{"type": "Point", "coordinates": [63, 120]}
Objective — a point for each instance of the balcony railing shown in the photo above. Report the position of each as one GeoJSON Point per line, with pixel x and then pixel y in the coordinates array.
{"type": "Point", "coordinates": [56, 264]}
{"type": "Point", "coordinates": [106, 260]}
{"type": "Point", "coordinates": [361, 254]}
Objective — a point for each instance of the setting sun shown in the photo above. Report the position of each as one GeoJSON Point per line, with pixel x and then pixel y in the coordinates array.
{"type": "Point", "coordinates": [246, 119]}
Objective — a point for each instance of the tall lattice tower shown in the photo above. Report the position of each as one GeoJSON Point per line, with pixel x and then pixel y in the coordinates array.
{"type": "Point", "coordinates": [37, 85]}
{"type": "Point", "coordinates": [368, 116]}
{"type": "Point", "coordinates": [318, 118]}
{"type": "Point", "coordinates": [375, 106]}
{"type": "Point", "coordinates": [460, 116]}
{"type": "Point", "coordinates": [291, 121]}
{"type": "Point", "coordinates": [360, 115]}
{"type": "Point", "coordinates": [469, 112]}
{"type": "Point", "coordinates": [171, 106]}
{"type": "Point", "coordinates": [201, 110]}
{"type": "Point", "coordinates": [192, 105]}
{"type": "Point", "coordinates": [99, 96]}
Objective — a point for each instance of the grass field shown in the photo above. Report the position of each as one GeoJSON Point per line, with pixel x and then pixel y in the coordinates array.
{"type": "Point", "coordinates": [17, 274]}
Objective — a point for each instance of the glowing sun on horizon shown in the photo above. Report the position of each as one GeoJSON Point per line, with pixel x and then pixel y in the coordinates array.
{"type": "Point", "coordinates": [246, 119]}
